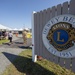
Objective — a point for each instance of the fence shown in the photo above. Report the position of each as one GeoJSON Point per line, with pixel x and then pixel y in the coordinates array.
{"type": "Point", "coordinates": [39, 21]}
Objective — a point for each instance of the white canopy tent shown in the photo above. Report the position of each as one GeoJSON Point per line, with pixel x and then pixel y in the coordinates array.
{"type": "Point", "coordinates": [26, 29]}
{"type": "Point", "coordinates": [9, 28]}
{"type": "Point", "coordinates": [20, 29]}
{"type": "Point", "coordinates": [2, 27]}
{"type": "Point", "coordinates": [15, 29]}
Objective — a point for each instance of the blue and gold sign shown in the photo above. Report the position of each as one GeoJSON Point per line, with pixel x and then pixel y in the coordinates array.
{"type": "Point", "coordinates": [59, 36]}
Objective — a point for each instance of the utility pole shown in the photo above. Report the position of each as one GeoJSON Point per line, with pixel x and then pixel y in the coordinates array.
{"type": "Point", "coordinates": [23, 26]}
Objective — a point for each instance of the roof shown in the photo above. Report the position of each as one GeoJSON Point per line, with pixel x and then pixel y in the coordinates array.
{"type": "Point", "coordinates": [4, 27]}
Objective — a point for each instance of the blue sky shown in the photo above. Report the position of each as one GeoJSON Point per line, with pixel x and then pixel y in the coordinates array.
{"type": "Point", "coordinates": [18, 13]}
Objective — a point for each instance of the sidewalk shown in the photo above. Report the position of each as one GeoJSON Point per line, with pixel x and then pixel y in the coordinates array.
{"type": "Point", "coordinates": [14, 48]}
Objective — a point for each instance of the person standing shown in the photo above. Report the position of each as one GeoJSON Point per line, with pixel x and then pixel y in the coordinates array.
{"type": "Point", "coordinates": [24, 36]}
{"type": "Point", "coordinates": [10, 35]}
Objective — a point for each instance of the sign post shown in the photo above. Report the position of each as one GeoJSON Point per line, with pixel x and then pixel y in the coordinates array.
{"type": "Point", "coordinates": [34, 57]}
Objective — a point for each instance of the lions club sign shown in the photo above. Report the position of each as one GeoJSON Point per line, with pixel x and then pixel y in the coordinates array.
{"type": "Point", "coordinates": [59, 36]}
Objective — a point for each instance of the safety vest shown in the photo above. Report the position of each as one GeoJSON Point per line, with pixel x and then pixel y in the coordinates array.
{"type": "Point", "coordinates": [29, 35]}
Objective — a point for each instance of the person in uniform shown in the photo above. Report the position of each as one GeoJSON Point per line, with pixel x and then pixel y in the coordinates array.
{"type": "Point", "coordinates": [24, 33]}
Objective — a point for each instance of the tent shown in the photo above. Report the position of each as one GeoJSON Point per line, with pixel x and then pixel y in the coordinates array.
{"type": "Point", "coordinates": [15, 29]}
{"type": "Point", "coordinates": [20, 29]}
{"type": "Point", "coordinates": [2, 27]}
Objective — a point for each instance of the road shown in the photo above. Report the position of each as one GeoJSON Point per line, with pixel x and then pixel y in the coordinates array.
{"type": "Point", "coordinates": [9, 52]}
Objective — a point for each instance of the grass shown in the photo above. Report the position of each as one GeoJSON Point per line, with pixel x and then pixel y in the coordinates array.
{"type": "Point", "coordinates": [3, 41]}
{"type": "Point", "coordinates": [0, 52]}
{"type": "Point", "coordinates": [23, 65]}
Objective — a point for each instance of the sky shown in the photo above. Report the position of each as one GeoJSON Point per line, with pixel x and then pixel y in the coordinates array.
{"type": "Point", "coordinates": [18, 13]}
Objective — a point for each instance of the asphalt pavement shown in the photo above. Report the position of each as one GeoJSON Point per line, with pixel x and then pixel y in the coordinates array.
{"type": "Point", "coordinates": [9, 52]}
